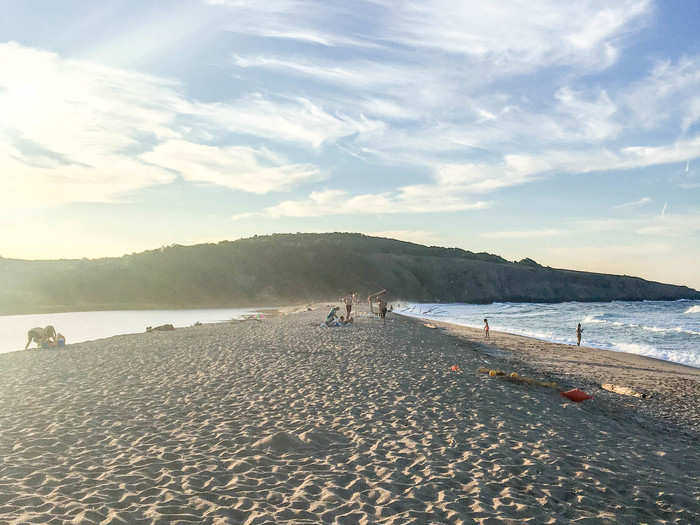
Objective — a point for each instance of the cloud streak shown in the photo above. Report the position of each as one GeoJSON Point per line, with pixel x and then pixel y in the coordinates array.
{"type": "Point", "coordinates": [76, 131]}
{"type": "Point", "coordinates": [634, 204]}
{"type": "Point", "coordinates": [409, 199]}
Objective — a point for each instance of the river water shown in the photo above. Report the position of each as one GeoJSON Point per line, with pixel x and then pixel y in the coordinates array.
{"type": "Point", "coordinates": [86, 326]}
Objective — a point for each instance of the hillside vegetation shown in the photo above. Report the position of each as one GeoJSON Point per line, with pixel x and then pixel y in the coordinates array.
{"type": "Point", "coordinates": [290, 268]}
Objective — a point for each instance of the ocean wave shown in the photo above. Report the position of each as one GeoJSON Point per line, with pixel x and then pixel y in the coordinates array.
{"type": "Point", "coordinates": [693, 310]}
{"type": "Point", "coordinates": [593, 319]}
{"type": "Point", "coordinates": [676, 329]}
{"type": "Point", "coordinates": [675, 356]}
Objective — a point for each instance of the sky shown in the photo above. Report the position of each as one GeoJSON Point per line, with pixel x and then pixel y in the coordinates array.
{"type": "Point", "coordinates": [567, 132]}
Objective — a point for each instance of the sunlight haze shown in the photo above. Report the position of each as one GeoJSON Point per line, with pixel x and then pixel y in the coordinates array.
{"type": "Point", "coordinates": [564, 132]}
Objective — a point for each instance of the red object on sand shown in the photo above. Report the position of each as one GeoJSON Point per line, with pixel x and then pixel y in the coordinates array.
{"type": "Point", "coordinates": [576, 395]}
{"type": "Point", "coordinates": [455, 368]}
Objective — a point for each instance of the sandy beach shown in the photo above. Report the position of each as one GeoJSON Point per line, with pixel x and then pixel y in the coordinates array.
{"type": "Point", "coordinates": [281, 421]}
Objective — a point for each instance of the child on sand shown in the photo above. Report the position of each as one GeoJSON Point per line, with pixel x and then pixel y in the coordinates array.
{"type": "Point", "coordinates": [579, 331]}
{"type": "Point", "coordinates": [486, 328]}
{"type": "Point", "coordinates": [331, 317]}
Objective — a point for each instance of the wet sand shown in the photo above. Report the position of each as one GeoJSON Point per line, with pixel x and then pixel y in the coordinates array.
{"type": "Point", "coordinates": [281, 421]}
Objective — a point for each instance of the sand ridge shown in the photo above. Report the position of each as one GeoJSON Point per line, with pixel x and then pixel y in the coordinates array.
{"type": "Point", "coordinates": [280, 421]}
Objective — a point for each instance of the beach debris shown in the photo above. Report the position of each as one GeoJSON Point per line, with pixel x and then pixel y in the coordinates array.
{"type": "Point", "coordinates": [514, 377]}
{"type": "Point", "coordinates": [429, 325]}
{"type": "Point", "coordinates": [455, 368]}
{"type": "Point", "coordinates": [624, 390]}
{"type": "Point", "coordinates": [576, 395]}
{"type": "Point", "coordinates": [161, 328]}
{"type": "Point", "coordinates": [492, 372]}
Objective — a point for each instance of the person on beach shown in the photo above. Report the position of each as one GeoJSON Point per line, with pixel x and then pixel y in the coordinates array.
{"type": "Point", "coordinates": [331, 317]}
{"type": "Point", "coordinates": [371, 299]}
{"type": "Point", "coordinates": [382, 309]}
{"type": "Point", "coordinates": [579, 331]}
{"type": "Point", "coordinates": [41, 336]}
{"type": "Point", "coordinates": [348, 300]}
{"type": "Point", "coordinates": [486, 329]}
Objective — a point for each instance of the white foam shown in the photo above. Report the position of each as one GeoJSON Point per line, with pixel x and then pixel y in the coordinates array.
{"type": "Point", "coordinates": [676, 329]}
{"type": "Point", "coordinates": [693, 310]}
{"type": "Point", "coordinates": [665, 355]}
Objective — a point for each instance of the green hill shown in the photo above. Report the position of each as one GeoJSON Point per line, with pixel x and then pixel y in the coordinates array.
{"type": "Point", "coordinates": [289, 268]}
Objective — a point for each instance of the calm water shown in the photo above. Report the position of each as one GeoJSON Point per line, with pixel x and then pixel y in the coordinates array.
{"type": "Point", "coordinates": [668, 330]}
{"type": "Point", "coordinates": [85, 326]}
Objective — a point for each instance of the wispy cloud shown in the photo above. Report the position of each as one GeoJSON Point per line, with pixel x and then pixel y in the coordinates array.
{"type": "Point", "coordinates": [663, 224]}
{"type": "Point", "coordinates": [236, 167]}
{"type": "Point", "coordinates": [79, 131]}
{"type": "Point", "coordinates": [465, 113]}
{"type": "Point", "coordinates": [539, 33]}
{"type": "Point", "coordinates": [409, 199]}
{"type": "Point", "coordinates": [285, 119]}
{"type": "Point", "coordinates": [634, 204]}
{"type": "Point", "coordinates": [523, 234]}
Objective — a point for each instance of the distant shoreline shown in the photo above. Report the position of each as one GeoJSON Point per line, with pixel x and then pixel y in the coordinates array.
{"type": "Point", "coordinates": [276, 304]}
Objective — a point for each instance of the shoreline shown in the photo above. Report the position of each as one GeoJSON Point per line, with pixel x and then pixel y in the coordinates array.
{"type": "Point", "coordinates": [479, 330]}
{"type": "Point", "coordinates": [666, 383]}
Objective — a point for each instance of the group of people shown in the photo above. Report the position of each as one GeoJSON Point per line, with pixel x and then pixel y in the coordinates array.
{"type": "Point", "coordinates": [45, 337]}
{"type": "Point", "coordinates": [333, 320]}
{"type": "Point", "coordinates": [375, 299]}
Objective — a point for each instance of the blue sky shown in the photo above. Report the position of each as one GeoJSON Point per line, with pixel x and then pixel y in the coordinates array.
{"type": "Point", "coordinates": [565, 132]}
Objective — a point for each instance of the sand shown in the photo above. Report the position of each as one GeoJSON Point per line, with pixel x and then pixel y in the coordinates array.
{"type": "Point", "coordinates": [281, 421]}
{"type": "Point", "coordinates": [668, 394]}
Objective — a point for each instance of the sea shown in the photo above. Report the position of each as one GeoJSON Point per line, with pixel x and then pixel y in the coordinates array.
{"type": "Point", "coordinates": [668, 330]}
{"type": "Point", "coordinates": [86, 326]}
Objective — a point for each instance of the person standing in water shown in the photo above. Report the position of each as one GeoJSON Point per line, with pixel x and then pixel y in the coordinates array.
{"type": "Point", "coordinates": [579, 331]}
{"type": "Point", "coordinates": [486, 328]}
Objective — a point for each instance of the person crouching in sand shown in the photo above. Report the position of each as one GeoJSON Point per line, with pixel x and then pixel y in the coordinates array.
{"type": "Point", "coordinates": [332, 316]}
{"type": "Point", "coordinates": [41, 336]}
{"type": "Point", "coordinates": [486, 329]}
{"type": "Point", "coordinates": [579, 331]}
